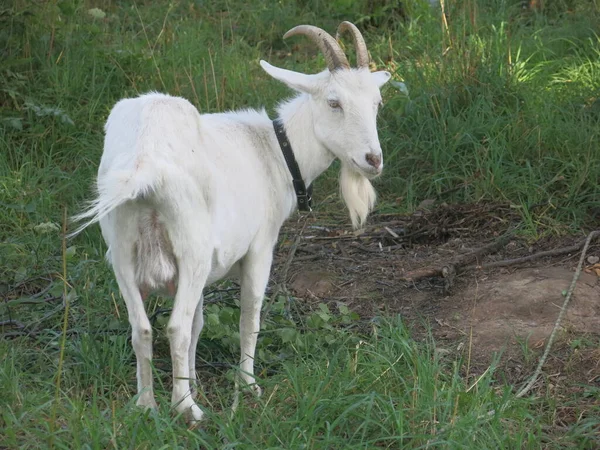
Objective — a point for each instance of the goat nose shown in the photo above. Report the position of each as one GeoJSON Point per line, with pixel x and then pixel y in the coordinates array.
{"type": "Point", "coordinates": [373, 160]}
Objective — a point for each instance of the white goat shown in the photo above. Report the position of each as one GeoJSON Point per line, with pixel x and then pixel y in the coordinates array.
{"type": "Point", "coordinates": [186, 199]}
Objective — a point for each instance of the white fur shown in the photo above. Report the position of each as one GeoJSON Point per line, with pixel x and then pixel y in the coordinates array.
{"type": "Point", "coordinates": [359, 195]}
{"type": "Point", "coordinates": [186, 199]}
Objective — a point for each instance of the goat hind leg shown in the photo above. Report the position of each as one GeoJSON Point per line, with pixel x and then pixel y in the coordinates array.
{"type": "Point", "coordinates": [141, 333]}
{"type": "Point", "coordinates": [179, 330]}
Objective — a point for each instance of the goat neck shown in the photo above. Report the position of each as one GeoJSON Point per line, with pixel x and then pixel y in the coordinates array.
{"type": "Point", "coordinates": [312, 156]}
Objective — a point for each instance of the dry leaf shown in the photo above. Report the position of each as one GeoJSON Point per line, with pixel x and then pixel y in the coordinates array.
{"type": "Point", "coordinates": [595, 268]}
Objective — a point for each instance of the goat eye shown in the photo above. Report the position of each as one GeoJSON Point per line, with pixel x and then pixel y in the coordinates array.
{"type": "Point", "coordinates": [334, 104]}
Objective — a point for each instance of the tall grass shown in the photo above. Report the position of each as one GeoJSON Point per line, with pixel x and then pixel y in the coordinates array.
{"type": "Point", "coordinates": [506, 111]}
{"type": "Point", "coordinates": [503, 103]}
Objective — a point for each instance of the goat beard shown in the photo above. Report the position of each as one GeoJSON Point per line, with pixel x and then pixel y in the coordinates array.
{"type": "Point", "coordinates": [358, 194]}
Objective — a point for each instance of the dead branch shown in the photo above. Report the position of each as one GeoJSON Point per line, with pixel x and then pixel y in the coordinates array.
{"type": "Point", "coordinates": [448, 271]}
{"type": "Point", "coordinates": [524, 259]}
{"type": "Point", "coordinates": [429, 272]}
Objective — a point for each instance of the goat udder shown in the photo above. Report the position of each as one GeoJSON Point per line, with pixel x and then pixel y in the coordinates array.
{"type": "Point", "coordinates": [155, 264]}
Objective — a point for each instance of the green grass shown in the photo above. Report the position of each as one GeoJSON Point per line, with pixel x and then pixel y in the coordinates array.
{"type": "Point", "coordinates": [503, 105]}
{"type": "Point", "coordinates": [383, 390]}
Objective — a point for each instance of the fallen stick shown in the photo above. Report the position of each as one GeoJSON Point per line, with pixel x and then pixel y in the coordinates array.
{"type": "Point", "coordinates": [524, 259]}
{"type": "Point", "coordinates": [448, 271]}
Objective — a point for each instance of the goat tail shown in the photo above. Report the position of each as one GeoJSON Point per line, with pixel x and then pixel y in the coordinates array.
{"type": "Point", "coordinates": [358, 194]}
{"type": "Point", "coordinates": [114, 189]}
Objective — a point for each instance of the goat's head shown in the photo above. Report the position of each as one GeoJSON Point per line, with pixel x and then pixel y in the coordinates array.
{"type": "Point", "coordinates": [344, 102]}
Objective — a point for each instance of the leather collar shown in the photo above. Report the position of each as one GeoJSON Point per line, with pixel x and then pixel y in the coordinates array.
{"type": "Point", "coordinates": [303, 194]}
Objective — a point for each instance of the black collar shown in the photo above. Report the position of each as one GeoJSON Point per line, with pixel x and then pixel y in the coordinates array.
{"type": "Point", "coordinates": [304, 195]}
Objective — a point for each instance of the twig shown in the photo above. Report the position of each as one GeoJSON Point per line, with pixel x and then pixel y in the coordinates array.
{"type": "Point", "coordinates": [511, 262]}
{"type": "Point", "coordinates": [400, 221]}
{"type": "Point", "coordinates": [563, 309]}
{"type": "Point", "coordinates": [30, 281]}
{"type": "Point", "coordinates": [341, 237]}
{"type": "Point", "coordinates": [34, 326]}
{"type": "Point", "coordinates": [11, 323]}
{"type": "Point", "coordinates": [156, 313]}
{"type": "Point", "coordinates": [33, 301]}
{"type": "Point", "coordinates": [454, 189]}
{"type": "Point", "coordinates": [43, 291]}
{"type": "Point", "coordinates": [308, 257]}
{"type": "Point", "coordinates": [392, 233]}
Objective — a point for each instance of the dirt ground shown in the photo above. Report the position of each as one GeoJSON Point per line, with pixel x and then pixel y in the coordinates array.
{"type": "Point", "coordinates": [508, 311]}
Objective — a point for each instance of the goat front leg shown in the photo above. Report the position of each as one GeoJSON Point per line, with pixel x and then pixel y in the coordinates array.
{"type": "Point", "coordinates": [254, 278]}
{"type": "Point", "coordinates": [179, 330]}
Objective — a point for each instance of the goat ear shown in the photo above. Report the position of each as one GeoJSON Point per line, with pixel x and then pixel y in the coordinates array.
{"type": "Point", "coordinates": [381, 77]}
{"type": "Point", "coordinates": [298, 81]}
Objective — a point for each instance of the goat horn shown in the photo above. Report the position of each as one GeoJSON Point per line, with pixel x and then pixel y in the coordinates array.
{"type": "Point", "coordinates": [362, 55]}
{"type": "Point", "coordinates": [327, 44]}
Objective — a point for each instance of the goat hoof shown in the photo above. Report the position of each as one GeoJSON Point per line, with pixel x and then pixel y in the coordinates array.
{"type": "Point", "coordinates": [146, 403]}
{"type": "Point", "coordinates": [256, 389]}
{"type": "Point", "coordinates": [190, 412]}
{"type": "Point", "coordinates": [193, 415]}
{"type": "Point", "coordinates": [249, 393]}
{"type": "Point", "coordinates": [252, 392]}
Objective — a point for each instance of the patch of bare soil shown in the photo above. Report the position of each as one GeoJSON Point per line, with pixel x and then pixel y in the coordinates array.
{"type": "Point", "coordinates": [481, 313]}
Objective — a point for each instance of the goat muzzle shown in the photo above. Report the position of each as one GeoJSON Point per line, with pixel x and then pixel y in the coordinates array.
{"type": "Point", "coordinates": [373, 160]}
